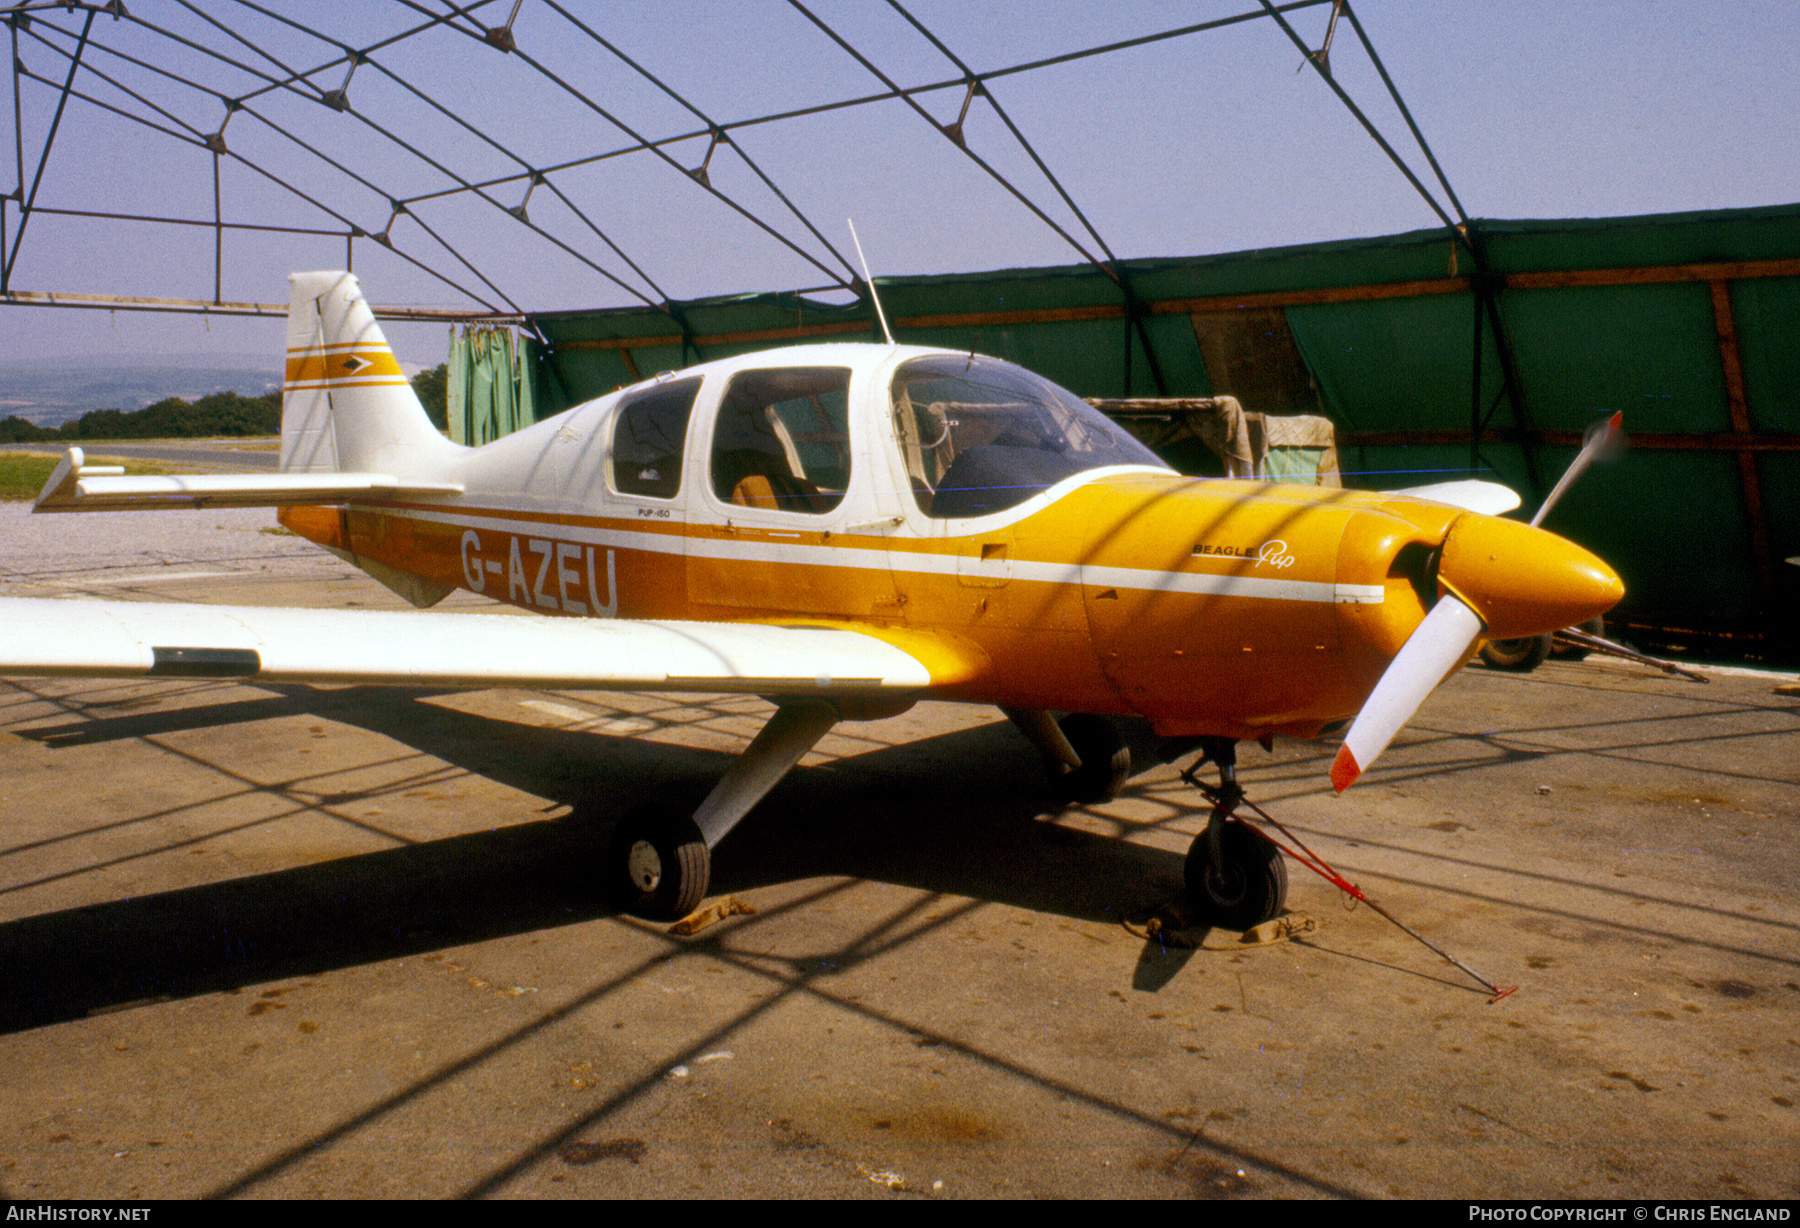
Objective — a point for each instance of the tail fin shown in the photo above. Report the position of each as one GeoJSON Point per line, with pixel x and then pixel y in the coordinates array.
{"type": "Point", "coordinates": [346, 405]}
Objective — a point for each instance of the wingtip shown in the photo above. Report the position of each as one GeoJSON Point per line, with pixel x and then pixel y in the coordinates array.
{"type": "Point", "coordinates": [59, 489]}
{"type": "Point", "coordinates": [1344, 769]}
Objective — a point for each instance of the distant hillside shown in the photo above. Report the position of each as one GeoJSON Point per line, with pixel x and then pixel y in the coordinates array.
{"type": "Point", "coordinates": [49, 394]}
{"type": "Point", "coordinates": [211, 416]}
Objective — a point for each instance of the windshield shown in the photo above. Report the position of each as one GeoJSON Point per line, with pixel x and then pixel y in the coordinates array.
{"type": "Point", "coordinates": [980, 435]}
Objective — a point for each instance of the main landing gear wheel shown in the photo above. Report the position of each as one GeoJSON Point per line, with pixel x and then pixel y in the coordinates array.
{"type": "Point", "coordinates": [1248, 887]}
{"type": "Point", "coordinates": [660, 866]}
{"type": "Point", "coordinates": [1105, 760]}
{"type": "Point", "coordinates": [1579, 652]}
{"type": "Point", "coordinates": [1521, 656]}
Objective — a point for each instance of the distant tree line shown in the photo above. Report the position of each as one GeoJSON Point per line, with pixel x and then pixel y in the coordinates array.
{"type": "Point", "coordinates": [433, 387]}
{"type": "Point", "coordinates": [218, 413]}
{"type": "Point", "coordinates": [214, 415]}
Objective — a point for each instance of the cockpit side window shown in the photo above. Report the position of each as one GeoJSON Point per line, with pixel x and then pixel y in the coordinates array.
{"type": "Point", "coordinates": [649, 436]}
{"type": "Point", "coordinates": [782, 440]}
{"type": "Point", "coordinates": [980, 435]}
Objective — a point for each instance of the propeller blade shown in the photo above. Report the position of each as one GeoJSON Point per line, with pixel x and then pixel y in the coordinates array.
{"type": "Point", "coordinates": [1598, 442]}
{"type": "Point", "coordinates": [1438, 645]}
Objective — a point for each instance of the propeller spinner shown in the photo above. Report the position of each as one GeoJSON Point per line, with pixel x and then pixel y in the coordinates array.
{"type": "Point", "coordinates": [1499, 578]}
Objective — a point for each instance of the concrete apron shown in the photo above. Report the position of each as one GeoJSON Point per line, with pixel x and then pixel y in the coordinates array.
{"type": "Point", "coordinates": [309, 941]}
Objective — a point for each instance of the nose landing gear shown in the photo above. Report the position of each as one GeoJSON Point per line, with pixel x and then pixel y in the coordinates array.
{"type": "Point", "coordinates": [1237, 874]}
{"type": "Point", "coordinates": [1233, 871]}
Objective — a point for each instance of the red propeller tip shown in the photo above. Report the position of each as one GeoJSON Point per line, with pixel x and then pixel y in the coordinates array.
{"type": "Point", "coordinates": [1344, 769]}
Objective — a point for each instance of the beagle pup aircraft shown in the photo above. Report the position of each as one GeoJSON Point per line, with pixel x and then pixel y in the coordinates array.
{"type": "Point", "coordinates": [844, 529]}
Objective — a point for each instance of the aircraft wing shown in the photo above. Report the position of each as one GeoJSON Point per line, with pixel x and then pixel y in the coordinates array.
{"type": "Point", "coordinates": [128, 639]}
{"type": "Point", "coordinates": [76, 486]}
{"type": "Point", "coordinates": [1488, 498]}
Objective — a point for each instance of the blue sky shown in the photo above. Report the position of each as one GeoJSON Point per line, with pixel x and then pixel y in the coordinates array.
{"type": "Point", "coordinates": [1208, 143]}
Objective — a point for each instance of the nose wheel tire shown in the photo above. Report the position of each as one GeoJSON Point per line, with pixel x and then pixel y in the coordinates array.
{"type": "Point", "coordinates": [1248, 888]}
{"type": "Point", "coordinates": [1520, 656]}
{"type": "Point", "coordinates": [660, 866]}
{"type": "Point", "coordinates": [1105, 760]}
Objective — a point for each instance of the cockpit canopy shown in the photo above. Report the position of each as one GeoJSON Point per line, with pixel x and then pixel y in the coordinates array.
{"type": "Point", "coordinates": [975, 435]}
{"type": "Point", "coordinates": [980, 435]}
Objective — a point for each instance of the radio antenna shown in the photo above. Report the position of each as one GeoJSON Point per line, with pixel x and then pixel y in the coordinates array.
{"type": "Point", "coordinates": [870, 282]}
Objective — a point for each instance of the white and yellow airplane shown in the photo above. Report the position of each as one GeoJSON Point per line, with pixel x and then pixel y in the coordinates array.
{"type": "Point", "coordinates": [844, 529]}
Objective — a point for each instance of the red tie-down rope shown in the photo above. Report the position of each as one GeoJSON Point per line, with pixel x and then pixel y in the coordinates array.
{"type": "Point", "coordinates": [1318, 865]}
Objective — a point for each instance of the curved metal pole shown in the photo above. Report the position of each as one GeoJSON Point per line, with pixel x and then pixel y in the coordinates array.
{"type": "Point", "coordinates": [44, 158]}
{"type": "Point", "coordinates": [1362, 119]}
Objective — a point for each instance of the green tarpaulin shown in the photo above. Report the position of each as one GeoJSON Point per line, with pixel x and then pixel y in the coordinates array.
{"type": "Point", "coordinates": [492, 384]}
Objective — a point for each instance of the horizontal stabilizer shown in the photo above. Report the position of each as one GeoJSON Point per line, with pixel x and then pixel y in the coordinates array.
{"type": "Point", "coordinates": [130, 639]}
{"type": "Point", "coordinates": [78, 487]}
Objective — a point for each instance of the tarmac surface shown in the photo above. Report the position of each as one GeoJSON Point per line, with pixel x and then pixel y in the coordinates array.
{"type": "Point", "coordinates": [289, 941]}
{"type": "Point", "coordinates": [246, 455]}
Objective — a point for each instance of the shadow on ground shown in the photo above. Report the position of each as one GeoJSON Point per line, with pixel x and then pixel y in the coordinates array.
{"type": "Point", "coordinates": [961, 814]}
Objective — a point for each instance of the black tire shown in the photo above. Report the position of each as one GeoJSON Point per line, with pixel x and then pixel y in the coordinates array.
{"type": "Point", "coordinates": [660, 866]}
{"type": "Point", "coordinates": [1575, 652]}
{"type": "Point", "coordinates": [1253, 886]}
{"type": "Point", "coordinates": [1521, 656]}
{"type": "Point", "coordinates": [1105, 760]}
